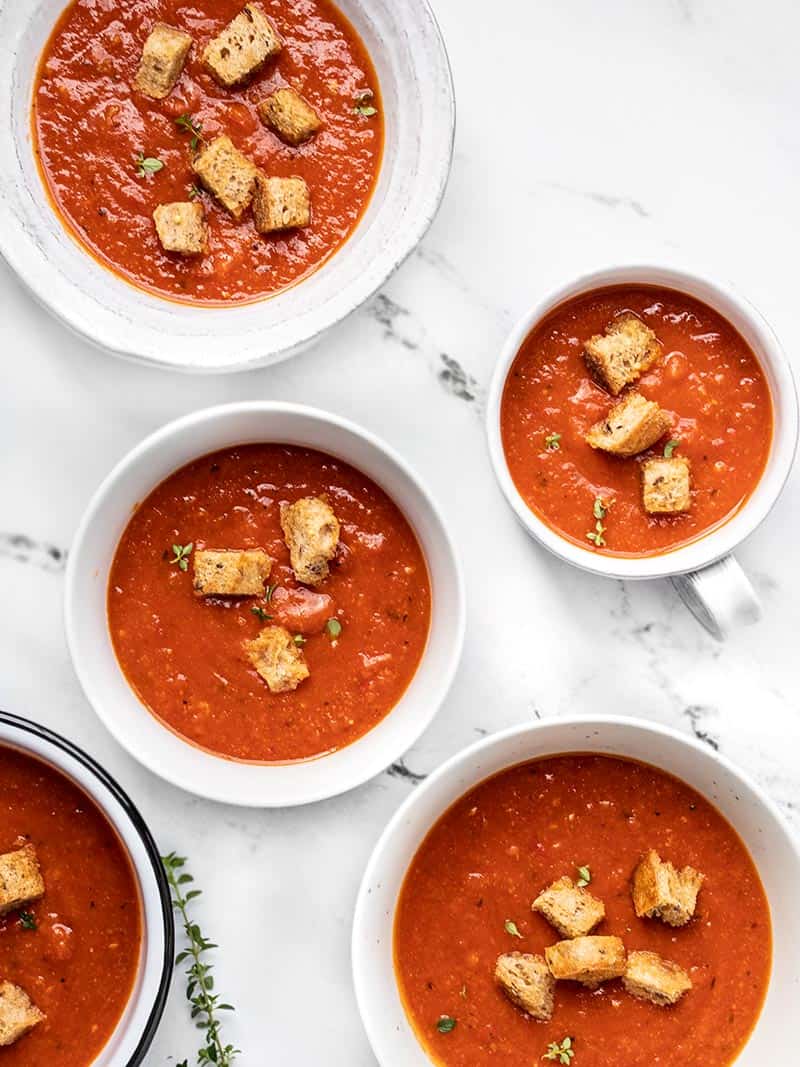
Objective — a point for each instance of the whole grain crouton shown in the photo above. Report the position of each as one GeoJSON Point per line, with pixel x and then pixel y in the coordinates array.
{"type": "Point", "coordinates": [526, 981]}
{"type": "Point", "coordinates": [281, 204]}
{"type": "Point", "coordinates": [181, 227]}
{"type": "Point", "coordinates": [311, 531]}
{"type": "Point", "coordinates": [571, 909]}
{"type": "Point", "coordinates": [163, 56]}
{"type": "Point", "coordinates": [18, 1014]}
{"type": "Point", "coordinates": [230, 572]}
{"type": "Point", "coordinates": [633, 424]}
{"type": "Point", "coordinates": [21, 881]}
{"type": "Point", "coordinates": [242, 48]}
{"type": "Point", "coordinates": [588, 960]}
{"type": "Point", "coordinates": [278, 658]}
{"type": "Point", "coordinates": [625, 351]}
{"type": "Point", "coordinates": [666, 485]}
{"type": "Point", "coordinates": [227, 174]}
{"type": "Point", "coordinates": [649, 977]}
{"type": "Point", "coordinates": [290, 116]}
{"type": "Point", "coordinates": [662, 892]}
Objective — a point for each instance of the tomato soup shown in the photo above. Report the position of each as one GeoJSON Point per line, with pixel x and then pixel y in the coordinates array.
{"type": "Point", "coordinates": [467, 899]}
{"type": "Point", "coordinates": [75, 952]}
{"type": "Point", "coordinates": [362, 630]}
{"type": "Point", "coordinates": [707, 381]}
{"type": "Point", "coordinates": [90, 128]}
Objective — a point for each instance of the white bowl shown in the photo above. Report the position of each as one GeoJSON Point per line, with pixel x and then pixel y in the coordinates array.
{"type": "Point", "coordinates": [136, 1029]}
{"type": "Point", "coordinates": [409, 55]}
{"type": "Point", "coordinates": [747, 808]}
{"type": "Point", "coordinates": [705, 573]}
{"type": "Point", "coordinates": [258, 785]}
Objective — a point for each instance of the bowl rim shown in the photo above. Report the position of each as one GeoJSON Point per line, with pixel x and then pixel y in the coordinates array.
{"type": "Point", "coordinates": [18, 249]}
{"type": "Point", "coordinates": [24, 726]}
{"type": "Point", "coordinates": [713, 544]}
{"type": "Point", "coordinates": [155, 442]}
{"type": "Point", "coordinates": [373, 871]}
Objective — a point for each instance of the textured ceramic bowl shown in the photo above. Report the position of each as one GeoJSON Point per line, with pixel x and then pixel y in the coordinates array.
{"type": "Point", "coordinates": [136, 1029]}
{"type": "Point", "coordinates": [775, 851]}
{"type": "Point", "coordinates": [410, 58]}
{"type": "Point", "coordinates": [164, 752]}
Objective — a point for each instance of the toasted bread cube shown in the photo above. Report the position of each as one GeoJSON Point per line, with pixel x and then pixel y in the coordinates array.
{"type": "Point", "coordinates": [228, 174]}
{"type": "Point", "coordinates": [633, 424]}
{"type": "Point", "coordinates": [163, 56]}
{"type": "Point", "coordinates": [625, 351]}
{"type": "Point", "coordinates": [278, 659]}
{"type": "Point", "coordinates": [242, 48]}
{"type": "Point", "coordinates": [588, 960]}
{"type": "Point", "coordinates": [21, 881]}
{"type": "Point", "coordinates": [666, 485]}
{"type": "Point", "coordinates": [649, 977]}
{"type": "Point", "coordinates": [290, 116]}
{"type": "Point", "coordinates": [181, 227]}
{"type": "Point", "coordinates": [311, 531]}
{"type": "Point", "coordinates": [526, 981]}
{"type": "Point", "coordinates": [230, 572]}
{"type": "Point", "coordinates": [281, 204]}
{"type": "Point", "coordinates": [662, 892]}
{"type": "Point", "coordinates": [18, 1014]}
{"type": "Point", "coordinates": [571, 909]}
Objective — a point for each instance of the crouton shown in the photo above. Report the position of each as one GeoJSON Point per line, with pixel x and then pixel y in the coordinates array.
{"type": "Point", "coordinates": [181, 227]}
{"type": "Point", "coordinates": [163, 56]}
{"type": "Point", "coordinates": [527, 982]}
{"type": "Point", "coordinates": [231, 572]}
{"type": "Point", "coordinates": [242, 48]}
{"type": "Point", "coordinates": [290, 116]}
{"type": "Point", "coordinates": [588, 960]}
{"type": "Point", "coordinates": [228, 174]}
{"type": "Point", "coordinates": [662, 892]}
{"type": "Point", "coordinates": [278, 659]}
{"type": "Point", "coordinates": [281, 204]}
{"type": "Point", "coordinates": [18, 1014]}
{"type": "Point", "coordinates": [624, 352]}
{"type": "Point", "coordinates": [571, 909]}
{"type": "Point", "coordinates": [633, 424]}
{"type": "Point", "coordinates": [666, 485]}
{"type": "Point", "coordinates": [311, 531]}
{"type": "Point", "coordinates": [21, 881]}
{"type": "Point", "coordinates": [649, 977]}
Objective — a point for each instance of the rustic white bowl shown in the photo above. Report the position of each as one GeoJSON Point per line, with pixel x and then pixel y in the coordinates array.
{"type": "Point", "coordinates": [741, 801]}
{"type": "Point", "coordinates": [410, 58]}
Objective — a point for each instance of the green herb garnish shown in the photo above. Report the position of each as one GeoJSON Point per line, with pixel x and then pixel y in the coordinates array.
{"type": "Point", "coordinates": [199, 981]}
{"type": "Point", "coordinates": [193, 191]}
{"type": "Point", "coordinates": [181, 555]}
{"type": "Point", "coordinates": [189, 124]}
{"type": "Point", "coordinates": [552, 442]}
{"type": "Point", "coordinates": [584, 877]}
{"type": "Point", "coordinates": [445, 1024]}
{"type": "Point", "coordinates": [147, 165]}
{"type": "Point", "coordinates": [599, 510]}
{"type": "Point", "coordinates": [670, 447]}
{"type": "Point", "coordinates": [560, 1053]}
{"type": "Point", "coordinates": [334, 627]}
{"type": "Point", "coordinates": [270, 590]}
{"type": "Point", "coordinates": [260, 613]}
{"type": "Point", "coordinates": [363, 105]}
{"type": "Point", "coordinates": [28, 921]}
{"type": "Point", "coordinates": [299, 639]}
{"type": "Point", "coordinates": [511, 928]}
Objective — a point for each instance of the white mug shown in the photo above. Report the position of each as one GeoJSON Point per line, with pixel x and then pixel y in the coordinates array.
{"type": "Point", "coordinates": [704, 571]}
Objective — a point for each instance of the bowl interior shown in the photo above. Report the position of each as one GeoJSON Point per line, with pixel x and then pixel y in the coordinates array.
{"type": "Point", "coordinates": [137, 1026]}
{"type": "Point", "coordinates": [769, 841]}
{"type": "Point", "coordinates": [414, 75]}
{"type": "Point", "coordinates": [93, 655]}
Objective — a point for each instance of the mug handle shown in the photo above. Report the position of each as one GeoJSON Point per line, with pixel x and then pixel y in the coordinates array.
{"type": "Point", "coordinates": [720, 596]}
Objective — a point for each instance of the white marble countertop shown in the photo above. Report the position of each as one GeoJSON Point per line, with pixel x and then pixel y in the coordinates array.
{"type": "Point", "coordinates": [587, 133]}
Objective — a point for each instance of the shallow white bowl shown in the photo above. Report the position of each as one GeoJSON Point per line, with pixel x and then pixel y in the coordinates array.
{"type": "Point", "coordinates": [410, 58]}
{"type": "Point", "coordinates": [136, 1029]}
{"type": "Point", "coordinates": [747, 808]}
{"type": "Point", "coordinates": [257, 785]}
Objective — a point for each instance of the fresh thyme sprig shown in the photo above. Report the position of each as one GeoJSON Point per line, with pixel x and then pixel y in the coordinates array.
{"type": "Point", "coordinates": [560, 1051]}
{"type": "Point", "coordinates": [199, 981]}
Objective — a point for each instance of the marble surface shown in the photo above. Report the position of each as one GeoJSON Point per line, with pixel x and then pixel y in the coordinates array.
{"type": "Point", "coordinates": [587, 133]}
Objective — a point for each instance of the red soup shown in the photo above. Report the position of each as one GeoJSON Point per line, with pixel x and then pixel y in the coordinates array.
{"type": "Point", "coordinates": [91, 126]}
{"type": "Point", "coordinates": [467, 897]}
{"type": "Point", "coordinates": [713, 399]}
{"type": "Point", "coordinates": [360, 629]}
{"type": "Point", "coordinates": [75, 950]}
